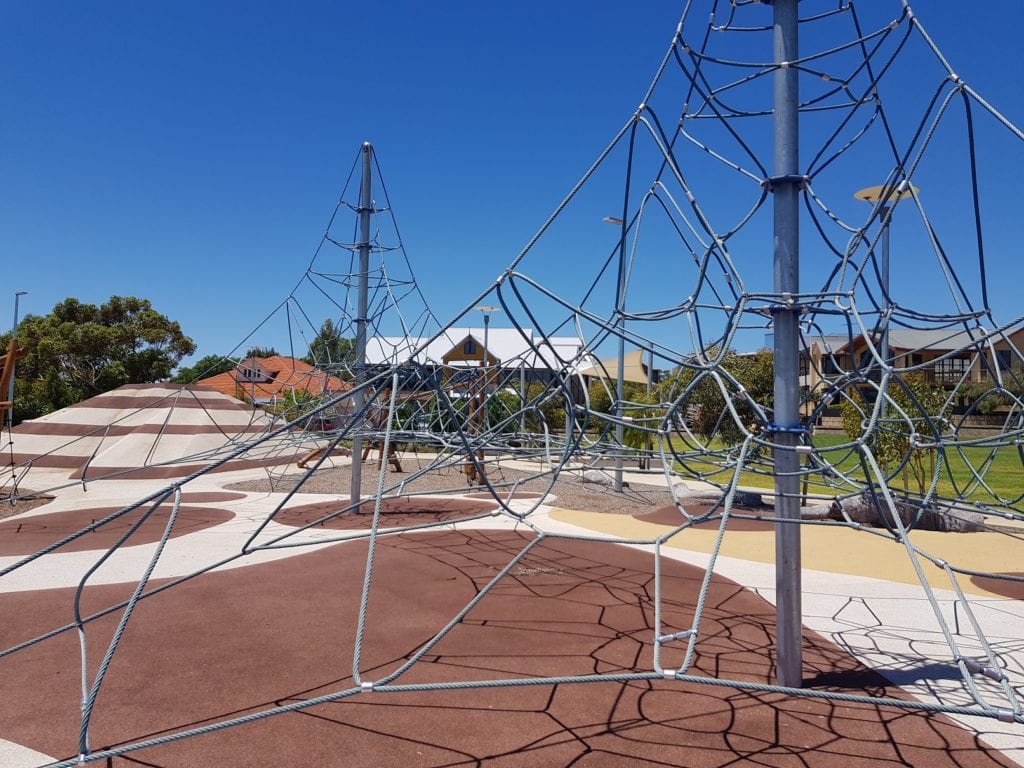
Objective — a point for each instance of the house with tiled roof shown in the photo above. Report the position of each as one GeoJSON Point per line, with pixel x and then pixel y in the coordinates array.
{"type": "Point", "coordinates": [268, 380]}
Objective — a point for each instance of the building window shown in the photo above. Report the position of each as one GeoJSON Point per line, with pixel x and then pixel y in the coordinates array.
{"type": "Point", "coordinates": [1004, 359]}
{"type": "Point", "coordinates": [469, 348]}
{"type": "Point", "coordinates": [951, 369]}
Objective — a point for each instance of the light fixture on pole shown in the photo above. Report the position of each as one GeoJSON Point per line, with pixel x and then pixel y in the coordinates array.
{"type": "Point", "coordinates": [887, 195]}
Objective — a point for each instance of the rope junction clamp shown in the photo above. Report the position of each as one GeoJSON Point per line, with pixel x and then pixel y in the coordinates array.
{"type": "Point", "coordinates": [677, 636]}
{"type": "Point", "coordinates": [797, 429]}
{"type": "Point", "coordinates": [802, 181]}
{"type": "Point", "coordinates": [977, 668]}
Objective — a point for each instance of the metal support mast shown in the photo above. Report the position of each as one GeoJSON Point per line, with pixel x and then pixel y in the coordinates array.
{"type": "Point", "coordinates": [363, 246]}
{"type": "Point", "coordinates": [786, 186]}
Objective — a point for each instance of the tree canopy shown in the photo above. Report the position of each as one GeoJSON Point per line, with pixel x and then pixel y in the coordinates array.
{"type": "Point", "coordinates": [81, 350]}
{"type": "Point", "coordinates": [258, 351]}
{"type": "Point", "coordinates": [705, 406]}
{"type": "Point", "coordinates": [330, 350]}
{"type": "Point", "coordinates": [204, 368]}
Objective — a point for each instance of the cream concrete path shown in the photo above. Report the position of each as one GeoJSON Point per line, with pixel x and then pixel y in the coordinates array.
{"type": "Point", "coordinates": [854, 594]}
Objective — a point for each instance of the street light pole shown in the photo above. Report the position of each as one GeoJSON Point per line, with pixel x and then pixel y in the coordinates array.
{"type": "Point", "coordinates": [888, 195]}
{"type": "Point", "coordinates": [486, 361]}
{"type": "Point", "coordinates": [620, 378]}
{"type": "Point", "coordinates": [11, 361]}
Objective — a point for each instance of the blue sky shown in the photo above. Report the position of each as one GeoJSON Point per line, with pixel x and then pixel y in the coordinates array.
{"type": "Point", "coordinates": [191, 153]}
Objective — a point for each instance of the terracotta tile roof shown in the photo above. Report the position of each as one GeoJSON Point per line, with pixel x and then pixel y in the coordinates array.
{"type": "Point", "coordinates": [264, 378]}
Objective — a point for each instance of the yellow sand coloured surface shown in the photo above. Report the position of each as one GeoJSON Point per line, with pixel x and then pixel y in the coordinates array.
{"type": "Point", "coordinates": [835, 549]}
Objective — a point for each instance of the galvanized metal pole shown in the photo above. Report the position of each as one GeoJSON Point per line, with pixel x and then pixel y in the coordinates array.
{"type": "Point", "coordinates": [522, 396]}
{"type": "Point", "coordinates": [786, 187]}
{"type": "Point", "coordinates": [620, 396]}
{"type": "Point", "coordinates": [487, 326]}
{"type": "Point", "coordinates": [363, 246]}
{"type": "Point", "coordinates": [11, 362]}
{"type": "Point", "coordinates": [620, 310]}
{"type": "Point", "coordinates": [886, 217]}
{"type": "Point", "coordinates": [620, 376]}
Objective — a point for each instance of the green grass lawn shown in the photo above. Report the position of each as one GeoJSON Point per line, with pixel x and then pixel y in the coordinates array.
{"type": "Point", "coordinates": [1002, 469]}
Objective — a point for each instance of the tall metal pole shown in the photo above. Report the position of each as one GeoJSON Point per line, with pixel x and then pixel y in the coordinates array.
{"type": "Point", "coordinates": [522, 397]}
{"type": "Point", "coordinates": [365, 209]}
{"type": "Point", "coordinates": [487, 325]}
{"type": "Point", "coordinates": [885, 286]}
{"type": "Point", "coordinates": [620, 397]}
{"type": "Point", "coordinates": [888, 196]}
{"type": "Point", "coordinates": [11, 362]}
{"type": "Point", "coordinates": [785, 318]}
{"type": "Point", "coordinates": [620, 377]}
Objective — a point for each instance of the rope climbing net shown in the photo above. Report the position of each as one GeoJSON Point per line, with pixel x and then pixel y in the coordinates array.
{"type": "Point", "coordinates": [911, 389]}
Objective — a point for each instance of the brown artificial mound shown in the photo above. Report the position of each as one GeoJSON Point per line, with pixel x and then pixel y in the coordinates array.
{"type": "Point", "coordinates": [175, 471]}
{"type": "Point", "coordinates": [76, 429]}
{"type": "Point", "coordinates": [200, 497]}
{"type": "Point", "coordinates": [671, 516]}
{"type": "Point", "coordinates": [25, 535]}
{"type": "Point", "coordinates": [505, 496]}
{"type": "Point", "coordinates": [154, 472]}
{"type": "Point", "coordinates": [233, 642]}
{"type": "Point", "coordinates": [134, 403]}
{"type": "Point", "coordinates": [1004, 587]}
{"type": "Point", "coordinates": [395, 512]}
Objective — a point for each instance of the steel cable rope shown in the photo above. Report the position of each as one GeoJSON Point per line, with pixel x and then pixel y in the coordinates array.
{"type": "Point", "coordinates": [89, 700]}
{"type": "Point", "coordinates": [902, 533]}
{"type": "Point", "coordinates": [371, 547]}
{"type": "Point", "coordinates": [743, 685]}
{"type": "Point", "coordinates": [705, 586]}
{"type": "Point", "coordinates": [723, 121]}
{"type": "Point", "coordinates": [77, 602]}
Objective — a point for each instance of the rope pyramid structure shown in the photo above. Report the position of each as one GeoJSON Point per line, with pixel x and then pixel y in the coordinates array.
{"type": "Point", "coordinates": [680, 275]}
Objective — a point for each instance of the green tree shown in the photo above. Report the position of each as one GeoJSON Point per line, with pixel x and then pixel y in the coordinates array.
{"type": "Point", "coordinates": [502, 409]}
{"type": "Point", "coordinates": [705, 406]}
{"type": "Point", "coordinates": [204, 368]}
{"type": "Point", "coordinates": [331, 351]}
{"type": "Point", "coordinates": [640, 409]}
{"type": "Point", "coordinates": [261, 352]}
{"type": "Point", "coordinates": [544, 404]}
{"type": "Point", "coordinates": [600, 395]}
{"type": "Point", "coordinates": [82, 350]}
{"type": "Point", "coordinates": [892, 442]}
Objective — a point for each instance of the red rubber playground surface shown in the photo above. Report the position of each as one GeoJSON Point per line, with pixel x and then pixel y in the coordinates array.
{"type": "Point", "coordinates": [234, 642]}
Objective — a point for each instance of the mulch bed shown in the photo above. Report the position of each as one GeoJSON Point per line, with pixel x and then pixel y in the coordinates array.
{"type": "Point", "coordinates": [569, 489]}
{"type": "Point", "coordinates": [232, 642]}
{"type": "Point", "coordinates": [24, 500]}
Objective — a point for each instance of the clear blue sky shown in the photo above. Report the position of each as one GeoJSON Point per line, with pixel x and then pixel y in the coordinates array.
{"type": "Point", "coordinates": [191, 152]}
